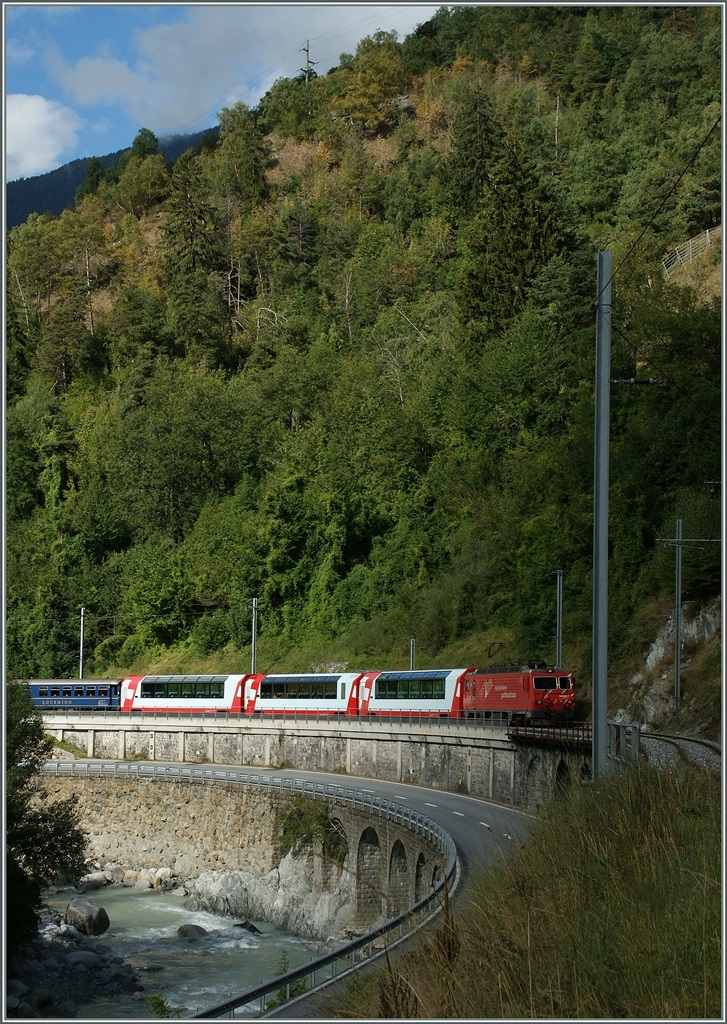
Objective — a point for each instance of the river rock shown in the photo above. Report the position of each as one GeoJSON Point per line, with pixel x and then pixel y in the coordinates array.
{"type": "Point", "coordinates": [88, 918]}
{"type": "Point", "coordinates": [94, 880]}
{"type": "Point", "coordinates": [191, 932]}
{"type": "Point", "coordinates": [248, 926]}
{"type": "Point", "coordinates": [82, 956]}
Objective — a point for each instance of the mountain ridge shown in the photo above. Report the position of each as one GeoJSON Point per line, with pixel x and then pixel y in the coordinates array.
{"type": "Point", "coordinates": [55, 191]}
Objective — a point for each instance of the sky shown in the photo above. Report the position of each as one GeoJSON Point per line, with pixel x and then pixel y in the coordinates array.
{"type": "Point", "coordinates": [82, 79]}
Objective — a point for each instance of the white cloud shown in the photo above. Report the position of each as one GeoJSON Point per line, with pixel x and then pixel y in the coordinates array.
{"type": "Point", "coordinates": [38, 133]}
{"type": "Point", "coordinates": [181, 74]}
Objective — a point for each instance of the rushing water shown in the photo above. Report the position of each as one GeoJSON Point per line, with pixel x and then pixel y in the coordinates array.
{"type": "Point", "coordinates": [194, 975]}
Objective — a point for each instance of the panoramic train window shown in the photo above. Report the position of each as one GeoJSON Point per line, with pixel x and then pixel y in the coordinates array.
{"type": "Point", "coordinates": [300, 687]}
{"type": "Point", "coordinates": [184, 686]}
{"type": "Point", "coordinates": [410, 685]}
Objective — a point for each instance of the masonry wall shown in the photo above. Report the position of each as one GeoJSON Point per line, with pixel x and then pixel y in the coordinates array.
{"type": "Point", "coordinates": [456, 760]}
{"type": "Point", "coordinates": [185, 826]}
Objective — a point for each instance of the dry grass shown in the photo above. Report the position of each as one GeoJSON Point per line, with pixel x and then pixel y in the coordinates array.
{"type": "Point", "coordinates": [611, 910]}
{"type": "Point", "coordinates": [703, 274]}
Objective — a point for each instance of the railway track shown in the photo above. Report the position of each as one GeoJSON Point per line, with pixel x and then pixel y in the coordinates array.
{"type": "Point", "coordinates": [665, 750]}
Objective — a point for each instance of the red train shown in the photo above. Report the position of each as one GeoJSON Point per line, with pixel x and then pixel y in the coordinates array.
{"type": "Point", "coordinates": [498, 692]}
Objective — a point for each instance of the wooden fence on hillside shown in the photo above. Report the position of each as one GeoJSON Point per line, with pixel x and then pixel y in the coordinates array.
{"type": "Point", "coordinates": [694, 247]}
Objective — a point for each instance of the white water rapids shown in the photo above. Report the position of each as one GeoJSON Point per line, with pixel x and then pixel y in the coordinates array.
{"type": "Point", "coordinates": [193, 975]}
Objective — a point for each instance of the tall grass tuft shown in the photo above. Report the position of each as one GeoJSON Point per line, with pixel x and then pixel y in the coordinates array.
{"type": "Point", "coordinates": [611, 909]}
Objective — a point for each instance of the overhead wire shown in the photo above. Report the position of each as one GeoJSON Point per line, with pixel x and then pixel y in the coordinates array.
{"type": "Point", "coordinates": [658, 210]}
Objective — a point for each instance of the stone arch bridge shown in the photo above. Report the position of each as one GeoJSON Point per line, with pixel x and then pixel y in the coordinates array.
{"type": "Point", "coordinates": [382, 857]}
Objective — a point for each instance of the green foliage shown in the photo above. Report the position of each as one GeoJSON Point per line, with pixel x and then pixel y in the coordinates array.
{"type": "Point", "coordinates": [286, 992]}
{"type": "Point", "coordinates": [300, 821]}
{"type": "Point", "coordinates": [157, 1005]}
{"type": "Point", "coordinates": [342, 359]}
{"type": "Point", "coordinates": [43, 839]}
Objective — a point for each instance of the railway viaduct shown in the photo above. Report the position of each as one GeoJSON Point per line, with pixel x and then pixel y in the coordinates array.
{"type": "Point", "coordinates": [153, 822]}
{"type": "Point", "coordinates": [516, 769]}
{"type": "Point", "coordinates": [370, 864]}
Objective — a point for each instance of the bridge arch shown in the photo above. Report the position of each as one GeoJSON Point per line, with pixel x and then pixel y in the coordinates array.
{"type": "Point", "coordinates": [370, 899]}
{"type": "Point", "coordinates": [398, 887]}
{"type": "Point", "coordinates": [421, 882]}
{"type": "Point", "coordinates": [535, 782]}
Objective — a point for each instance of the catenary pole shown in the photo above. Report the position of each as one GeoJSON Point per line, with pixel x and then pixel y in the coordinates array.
{"type": "Point", "coordinates": [600, 513]}
{"type": "Point", "coordinates": [80, 659]}
{"type": "Point", "coordinates": [254, 634]}
{"type": "Point", "coordinates": [678, 620]}
{"type": "Point", "coordinates": [559, 620]}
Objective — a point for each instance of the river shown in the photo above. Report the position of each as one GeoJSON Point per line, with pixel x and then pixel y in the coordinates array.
{"type": "Point", "coordinates": [193, 975]}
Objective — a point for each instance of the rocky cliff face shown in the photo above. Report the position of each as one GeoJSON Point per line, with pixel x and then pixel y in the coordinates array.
{"type": "Point", "coordinates": [651, 689]}
{"type": "Point", "coordinates": [289, 896]}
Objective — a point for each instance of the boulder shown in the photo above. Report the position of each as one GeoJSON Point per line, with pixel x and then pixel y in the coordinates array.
{"type": "Point", "coordinates": [87, 917]}
{"type": "Point", "coordinates": [86, 957]}
{"type": "Point", "coordinates": [39, 998]}
{"type": "Point", "coordinates": [191, 932]}
{"type": "Point", "coordinates": [65, 1009]}
{"type": "Point", "coordinates": [94, 880]}
{"type": "Point", "coordinates": [248, 926]}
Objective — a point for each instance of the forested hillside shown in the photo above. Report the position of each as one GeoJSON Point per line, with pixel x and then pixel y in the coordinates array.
{"type": "Point", "coordinates": [341, 359]}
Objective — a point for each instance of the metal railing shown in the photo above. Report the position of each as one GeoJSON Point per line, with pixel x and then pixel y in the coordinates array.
{"type": "Point", "coordinates": [261, 718]}
{"type": "Point", "coordinates": [689, 250]}
{"type": "Point", "coordinates": [323, 970]}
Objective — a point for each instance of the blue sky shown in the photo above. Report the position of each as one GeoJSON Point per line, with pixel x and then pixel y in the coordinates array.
{"type": "Point", "coordinates": [82, 79]}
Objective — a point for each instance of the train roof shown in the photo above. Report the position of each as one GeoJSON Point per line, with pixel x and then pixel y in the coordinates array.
{"type": "Point", "coordinates": [76, 682]}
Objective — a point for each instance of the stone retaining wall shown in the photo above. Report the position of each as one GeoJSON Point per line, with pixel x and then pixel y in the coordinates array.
{"type": "Point", "coordinates": [185, 826]}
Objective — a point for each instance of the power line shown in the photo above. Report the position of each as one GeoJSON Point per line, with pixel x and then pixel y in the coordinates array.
{"type": "Point", "coordinates": [694, 156]}
{"type": "Point", "coordinates": [658, 369]}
